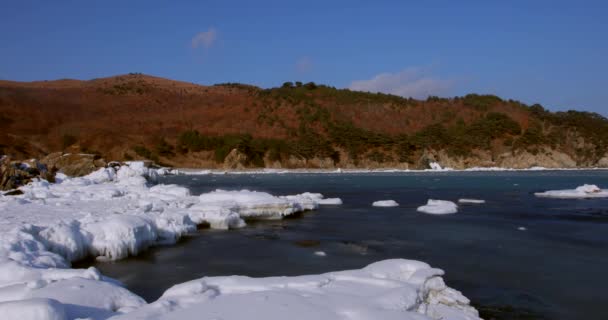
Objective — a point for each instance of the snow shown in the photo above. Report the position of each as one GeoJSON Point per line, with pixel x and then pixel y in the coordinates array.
{"type": "Point", "coordinates": [471, 201]}
{"type": "Point", "coordinates": [390, 289]}
{"type": "Point", "coordinates": [583, 192]}
{"type": "Point", "coordinates": [115, 212]}
{"type": "Point", "coordinates": [385, 203]}
{"type": "Point", "coordinates": [439, 207]}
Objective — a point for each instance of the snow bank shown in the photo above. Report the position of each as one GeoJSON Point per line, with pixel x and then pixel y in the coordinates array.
{"type": "Point", "coordinates": [471, 201]}
{"type": "Point", "coordinates": [439, 207]}
{"type": "Point", "coordinates": [385, 203]}
{"type": "Point", "coordinates": [583, 192]}
{"type": "Point", "coordinates": [390, 289]}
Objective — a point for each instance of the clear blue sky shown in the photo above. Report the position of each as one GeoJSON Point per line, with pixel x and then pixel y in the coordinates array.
{"type": "Point", "coordinates": [551, 52]}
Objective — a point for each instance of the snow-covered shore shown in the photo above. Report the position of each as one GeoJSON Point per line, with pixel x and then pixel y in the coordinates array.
{"type": "Point", "coordinates": [114, 213]}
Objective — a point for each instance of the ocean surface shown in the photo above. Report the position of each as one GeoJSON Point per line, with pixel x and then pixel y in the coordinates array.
{"type": "Point", "coordinates": [515, 257]}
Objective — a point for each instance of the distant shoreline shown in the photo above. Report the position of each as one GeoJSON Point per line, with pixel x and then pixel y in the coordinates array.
{"type": "Point", "coordinates": [203, 171]}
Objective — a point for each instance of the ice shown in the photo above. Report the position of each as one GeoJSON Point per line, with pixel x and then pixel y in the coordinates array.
{"type": "Point", "coordinates": [320, 253]}
{"type": "Point", "coordinates": [435, 166]}
{"type": "Point", "coordinates": [439, 207]}
{"type": "Point", "coordinates": [390, 289]}
{"type": "Point", "coordinates": [260, 205]}
{"type": "Point", "coordinates": [330, 201]}
{"type": "Point", "coordinates": [385, 203]}
{"type": "Point", "coordinates": [33, 309]}
{"type": "Point", "coordinates": [583, 192]}
{"type": "Point", "coordinates": [471, 201]}
{"type": "Point", "coordinates": [116, 212]}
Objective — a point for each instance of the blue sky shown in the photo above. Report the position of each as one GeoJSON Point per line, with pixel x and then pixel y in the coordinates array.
{"type": "Point", "coordinates": [550, 52]}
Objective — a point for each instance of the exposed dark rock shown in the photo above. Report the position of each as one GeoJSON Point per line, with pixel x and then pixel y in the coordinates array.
{"type": "Point", "coordinates": [74, 164]}
{"type": "Point", "coordinates": [14, 174]}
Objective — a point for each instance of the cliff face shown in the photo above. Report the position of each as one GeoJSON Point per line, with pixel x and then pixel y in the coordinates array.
{"type": "Point", "coordinates": [521, 160]}
{"type": "Point", "coordinates": [237, 126]}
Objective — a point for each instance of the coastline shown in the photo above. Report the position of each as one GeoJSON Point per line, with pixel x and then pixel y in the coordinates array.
{"type": "Point", "coordinates": [204, 171]}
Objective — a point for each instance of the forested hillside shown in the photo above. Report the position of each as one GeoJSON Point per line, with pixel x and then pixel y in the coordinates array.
{"type": "Point", "coordinates": [295, 125]}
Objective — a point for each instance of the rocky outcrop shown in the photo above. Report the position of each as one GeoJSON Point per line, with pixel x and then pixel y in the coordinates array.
{"type": "Point", "coordinates": [603, 162]}
{"type": "Point", "coordinates": [544, 158]}
{"type": "Point", "coordinates": [235, 160]}
{"type": "Point", "coordinates": [14, 174]}
{"type": "Point", "coordinates": [73, 164]}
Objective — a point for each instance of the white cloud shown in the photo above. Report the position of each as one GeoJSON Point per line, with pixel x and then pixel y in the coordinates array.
{"type": "Point", "coordinates": [411, 82]}
{"type": "Point", "coordinates": [304, 65]}
{"type": "Point", "coordinates": [204, 39]}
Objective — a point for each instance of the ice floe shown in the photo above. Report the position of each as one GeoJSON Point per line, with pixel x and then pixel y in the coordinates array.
{"type": "Point", "coordinates": [116, 212]}
{"type": "Point", "coordinates": [385, 203]}
{"type": "Point", "coordinates": [439, 207]}
{"type": "Point", "coordinates": [471, 201]}
{"type": "Point", "coordinates": [582, 192]}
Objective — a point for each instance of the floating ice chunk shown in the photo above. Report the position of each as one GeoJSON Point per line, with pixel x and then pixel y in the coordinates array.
{"type": "Point", "coordinates": [522, 228]}
{"type": "Point", "coordinates": [217, 217]}
{"type": "Point", "coordinates": [385, 203]}
{"type": "Point", "coordinates": [390, 289]}
{"type": "Point", "coordinates": [330, 201]}
{"type": "Point", "coordinates": [582, 192]}
{"type": "Point", "coordinates": [439, 207]}
{"type": "Point", "coordinates": [309, 201]}
{"type": "Point", "coordinates": [250, 204]}
{"type": "Point", "coordinates": [471, 201]}
{"type": "Point", "coordinates": [320, 253]}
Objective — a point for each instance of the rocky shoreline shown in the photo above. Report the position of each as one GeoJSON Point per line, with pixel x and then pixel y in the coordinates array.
{"type": "Point", "coordinates": [16, 173]}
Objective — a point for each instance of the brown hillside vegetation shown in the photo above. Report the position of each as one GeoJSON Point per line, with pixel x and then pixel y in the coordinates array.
{"type": "Point", "coordinates": [179, 123]}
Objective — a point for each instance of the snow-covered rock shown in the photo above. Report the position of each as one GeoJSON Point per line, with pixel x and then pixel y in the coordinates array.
{"type": "Point", "coordinates": [385, 203]}
{"type": "Point", "coordinates": [471, 201]}
{"type": "Point", "coordinates": [439, 207]}
{"type": "Point", "coordinates": [582, 192]}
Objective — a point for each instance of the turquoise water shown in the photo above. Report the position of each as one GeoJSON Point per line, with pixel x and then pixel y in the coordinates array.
{"type": "Point", "coordinates": [555, 269]}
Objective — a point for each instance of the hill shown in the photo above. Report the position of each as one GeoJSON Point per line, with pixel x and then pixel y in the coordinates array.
{"type": "Point", "coordinates": [233, 125]}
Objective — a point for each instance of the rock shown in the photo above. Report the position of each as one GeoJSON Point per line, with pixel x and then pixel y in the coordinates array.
{"type": "Point", "coordinates": [14, 174]}
{"type": "Point", "coordinates": [544, 158]}
{"type": "Point", "coordinates": [235, 160]}
{"type": "Point", "coordinates": [603, 162]}
{"type": "Point", "coordinates": [73, 164]}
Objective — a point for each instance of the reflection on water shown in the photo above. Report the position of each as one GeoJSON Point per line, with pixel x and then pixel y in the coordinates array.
{"type": "Point", "coordinates": [554, 269]}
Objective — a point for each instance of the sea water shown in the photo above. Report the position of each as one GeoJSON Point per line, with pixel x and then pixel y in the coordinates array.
{"type": "Point", "coordinates": [516, 256]}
